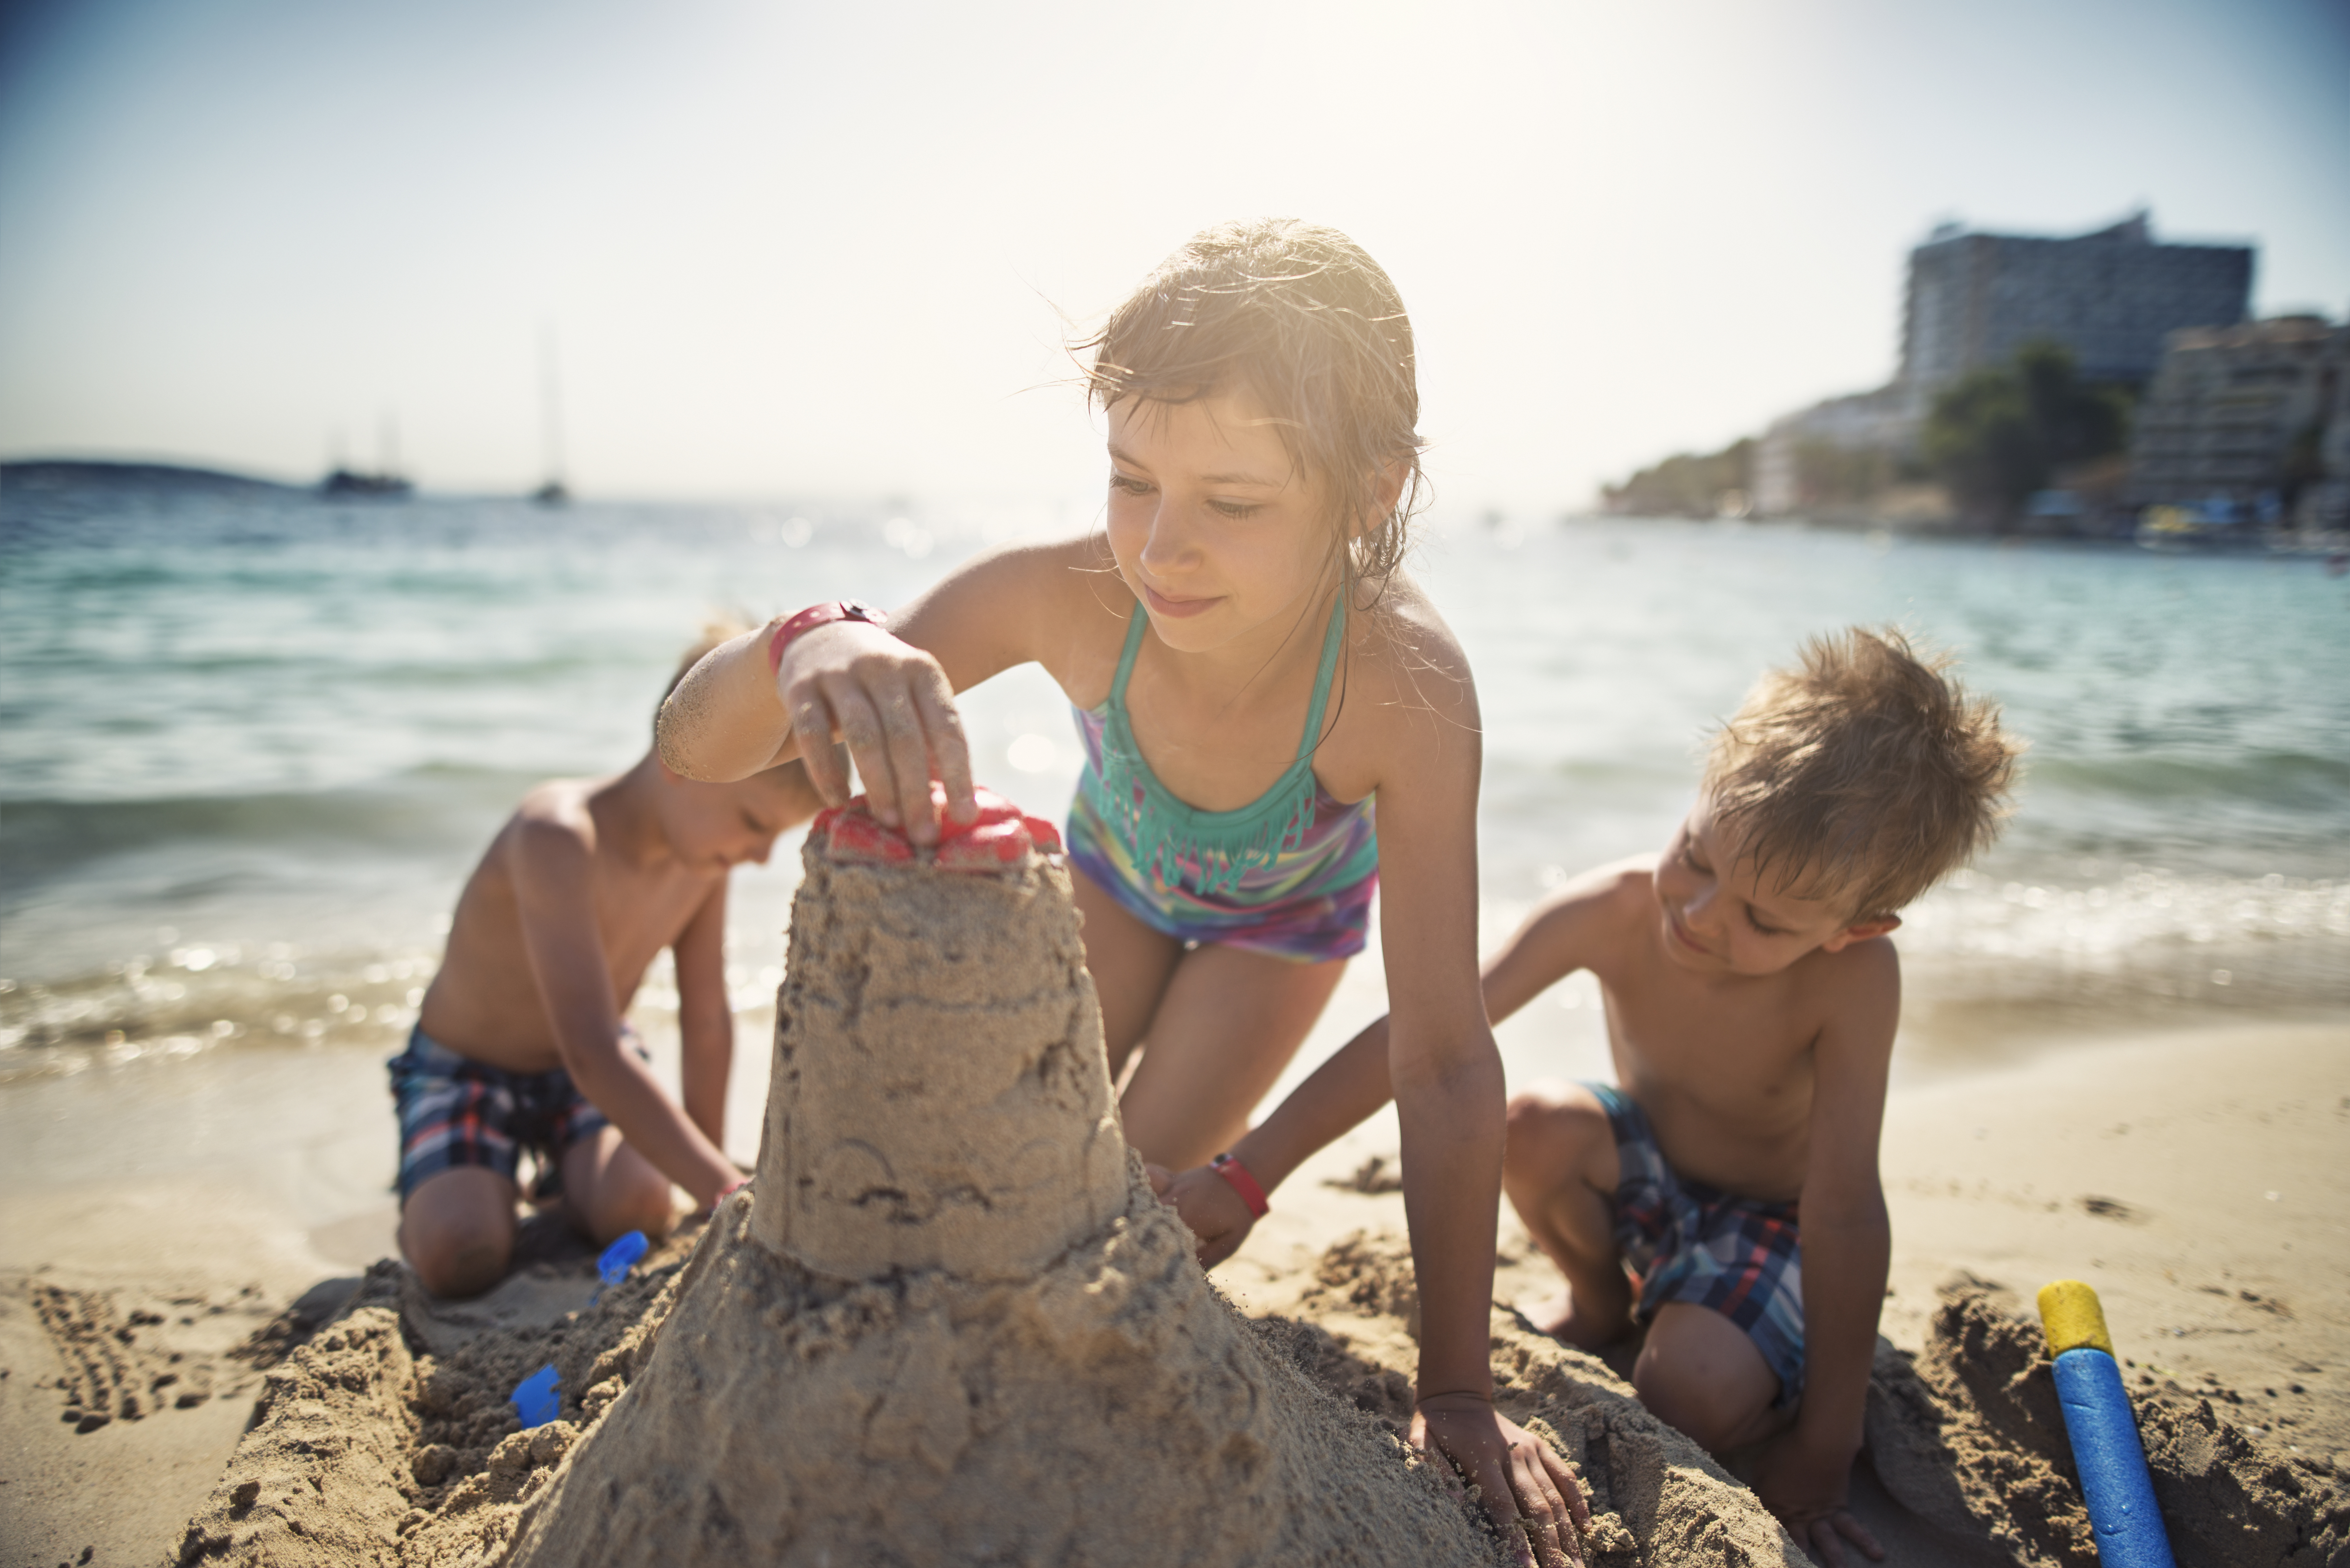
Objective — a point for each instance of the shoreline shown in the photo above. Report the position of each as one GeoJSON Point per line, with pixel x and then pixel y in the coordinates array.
{"type": "Point", "coordinates": [2210, 1285]}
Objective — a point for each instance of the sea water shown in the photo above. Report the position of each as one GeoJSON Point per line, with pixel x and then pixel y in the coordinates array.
{"type": "Point", "coordinates": [250, 745]}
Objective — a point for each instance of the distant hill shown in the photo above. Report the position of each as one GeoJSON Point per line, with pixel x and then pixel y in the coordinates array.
{"type": "Point", "coordinates": [1687, 485]}
{"type": "Point", "coordinates": [68, 474]}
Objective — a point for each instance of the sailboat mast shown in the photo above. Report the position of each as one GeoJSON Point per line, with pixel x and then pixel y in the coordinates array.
{"type": "Point", "coordinates": [550, 417]}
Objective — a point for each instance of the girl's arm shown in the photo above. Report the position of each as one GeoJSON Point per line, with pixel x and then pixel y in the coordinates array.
{"type": "Point", "coordinates": [1447, 1076]}
{"type": "Point", "coordinates": [1560, 937]}
{"type": "Point", "coordinates": [889, 695]}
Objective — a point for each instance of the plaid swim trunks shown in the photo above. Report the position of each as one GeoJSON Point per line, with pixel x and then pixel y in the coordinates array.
{"type": "Point", "coordinates": [456, 1111]}
{"type": "Point", "coordinates": [1685, 1241]}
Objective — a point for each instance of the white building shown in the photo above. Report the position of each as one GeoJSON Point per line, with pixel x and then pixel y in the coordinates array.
{"type": "Point", "coordinates": [1885, 419]}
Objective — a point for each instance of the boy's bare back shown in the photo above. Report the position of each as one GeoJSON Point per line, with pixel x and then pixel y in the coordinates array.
{"type": "Point", "coordinates": [581, 842]}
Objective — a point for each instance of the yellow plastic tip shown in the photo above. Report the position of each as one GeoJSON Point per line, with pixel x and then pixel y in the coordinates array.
{"type": "Point", "coordinates": [2070, 1313]}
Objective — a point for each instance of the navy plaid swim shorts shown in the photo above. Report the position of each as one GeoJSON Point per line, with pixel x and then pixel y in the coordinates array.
{"type": "Point", "coordinates": [1685, 1241]}
{"type": "Point", "coordinates": [456, 1111]}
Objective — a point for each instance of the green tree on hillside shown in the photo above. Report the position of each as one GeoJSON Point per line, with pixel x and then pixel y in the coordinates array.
{"type": "Point", "coordinates": [1686, 485]}
{"type": "Point", "coordinates": [1998, 435]}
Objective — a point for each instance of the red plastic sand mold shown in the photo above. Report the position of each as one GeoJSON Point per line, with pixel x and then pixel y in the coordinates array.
{"type": "Point", "coordinates": [998, 837]}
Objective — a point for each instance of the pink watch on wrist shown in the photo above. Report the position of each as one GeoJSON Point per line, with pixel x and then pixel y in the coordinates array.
{"type": "Point", "coordinates": [814, 616]}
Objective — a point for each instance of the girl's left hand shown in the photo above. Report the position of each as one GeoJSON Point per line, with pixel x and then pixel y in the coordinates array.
{"type": "Point", "coordinates": [1208, 1207]}
{"type": "Point", "coordinates": [1530, 1493]}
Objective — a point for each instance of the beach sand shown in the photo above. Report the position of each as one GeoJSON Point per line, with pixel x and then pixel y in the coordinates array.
{"type": "Point", "coordinates": [2199, 1181]}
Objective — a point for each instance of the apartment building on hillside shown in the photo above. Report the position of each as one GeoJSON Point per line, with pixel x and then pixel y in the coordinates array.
{"type": "Point", "coordinates": [2250, 422]}
{"type": "Point", "coordinates": [2112, 296]}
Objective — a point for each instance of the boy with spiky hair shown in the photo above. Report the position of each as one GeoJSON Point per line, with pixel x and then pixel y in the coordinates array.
{"type": "Point", "coordinates": [1751, 995]}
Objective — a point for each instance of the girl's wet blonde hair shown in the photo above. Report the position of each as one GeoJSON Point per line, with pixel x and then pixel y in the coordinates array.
{"type": "Point", "coordinates": [1300, 321]}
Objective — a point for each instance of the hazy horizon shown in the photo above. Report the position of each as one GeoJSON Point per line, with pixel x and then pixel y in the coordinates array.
{"type": "Point", "coordinates": [794, 252]}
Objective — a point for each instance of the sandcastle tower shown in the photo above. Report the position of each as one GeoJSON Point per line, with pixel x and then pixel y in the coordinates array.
{"type": "Point", "coordinates": [950, 1324]}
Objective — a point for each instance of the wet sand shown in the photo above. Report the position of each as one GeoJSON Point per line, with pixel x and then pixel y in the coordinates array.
{"type": "Point", "coordinates": [2145, 1167]}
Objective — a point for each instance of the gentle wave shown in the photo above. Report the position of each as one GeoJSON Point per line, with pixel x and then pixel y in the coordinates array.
{"type": "Point", "coordinates": [271, 717]}
{"type": "Point", "coordinates": [2293, 780]}
{"type": "Point", "coordinates": [195, 997]}
{"type": "Point", "coordinates": [427, 808]}
{"type": "Point", "coordinates": [1977, 914]}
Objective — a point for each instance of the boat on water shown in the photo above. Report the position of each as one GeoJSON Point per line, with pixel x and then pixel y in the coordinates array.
{"type": "Point", "coordinates": [351, 481]}
{"type": "Point", "coordinates": [554, 491]}
{"type": "Point", "coordinates": [345, 481]}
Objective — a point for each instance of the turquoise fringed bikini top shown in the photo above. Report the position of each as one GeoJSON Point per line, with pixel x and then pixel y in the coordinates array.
{"type": "Point", "coordinates": [1293, 833]}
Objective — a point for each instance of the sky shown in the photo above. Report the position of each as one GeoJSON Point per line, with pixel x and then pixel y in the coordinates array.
{"type": "Point", "coordinates": [787, 249]}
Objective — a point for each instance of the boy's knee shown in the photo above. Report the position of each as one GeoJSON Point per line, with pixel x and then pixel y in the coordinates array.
{"type": "Point", "coordinates": [457, 1230]}
{"type": "Point", "coordinates": [459, 1258]}
{"type": "Point", "coordinates": [644, 1206]}
{"type": "Point", "coordinates": [629, 1195]}
{"type": "Point", "coordinates": [463, 1269]}
{"type": "Point", "coordinates": [1550, 1126]}
{"type": "Point", "coordinates": [1716, 1389]}
{"type": "Point", "coordinates": [1713, 1417]}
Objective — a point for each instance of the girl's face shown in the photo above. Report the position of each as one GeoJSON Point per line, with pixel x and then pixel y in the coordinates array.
{"type": "Point", "coordinates": [1215, 529]}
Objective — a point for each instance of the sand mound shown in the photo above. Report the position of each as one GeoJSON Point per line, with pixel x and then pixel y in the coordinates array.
{"type": "Point", "coordinates": [950, 1324]}
{"type": "Point", "coordinates": [321, 1476]}
{"type": "Point", "coordinates": [1969, 1436]}
{"type": "Point", "coordinates": [1656, 1497]}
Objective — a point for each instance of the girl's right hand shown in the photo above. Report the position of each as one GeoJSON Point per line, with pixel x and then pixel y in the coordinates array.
{"type": "Point", "coordinates": [893, 706]}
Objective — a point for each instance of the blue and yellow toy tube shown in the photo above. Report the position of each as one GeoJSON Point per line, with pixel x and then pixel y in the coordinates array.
{"type": "Point", "coordinates": [2104, 1430]}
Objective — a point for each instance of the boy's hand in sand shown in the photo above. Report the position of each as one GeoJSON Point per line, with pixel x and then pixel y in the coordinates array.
{"type": "Point", "coordinates": [1208, 1207]}
{"type": "Point", "coordinates": [1529, 1492]}
{"type": "Point", "coordinates": [893, 706]}
{"type": "Point", "coordinates": [1805, 1488]}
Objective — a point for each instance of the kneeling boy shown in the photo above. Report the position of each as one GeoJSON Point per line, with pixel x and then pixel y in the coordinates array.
{"type": "Point", "coordinates": [1751, 998]}
{"type": "Point", "coordinates": [521, 1043]}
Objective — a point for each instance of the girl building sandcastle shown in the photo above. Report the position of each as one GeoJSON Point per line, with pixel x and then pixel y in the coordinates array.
{"type": "Point", "coordinates": [1251, 669]}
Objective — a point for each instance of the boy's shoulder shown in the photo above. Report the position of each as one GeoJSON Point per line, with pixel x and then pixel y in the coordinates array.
{"type": "Point", "coordinates": [1871, 962]}
{"type": "Point", "coordinates": [1595, 913]}
{"type": "Point", "coordinates": [1619, 892]}
{"type": "Point", "coordinates": [1854, 992]}
{"type": "Point", "coordinates": [559, 803]}
{"type": "Point", "coordinates": [556, 817]}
